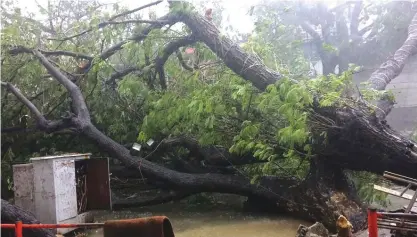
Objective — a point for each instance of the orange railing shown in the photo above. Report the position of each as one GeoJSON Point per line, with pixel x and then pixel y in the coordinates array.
{"type": "Point", "coordinates": [398, 221]}
{"type": "Point", "coordinates": [18, 226]}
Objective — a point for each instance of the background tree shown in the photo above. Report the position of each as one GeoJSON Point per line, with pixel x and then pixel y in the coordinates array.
{"type": "Point", "coordinates": [348, 32]}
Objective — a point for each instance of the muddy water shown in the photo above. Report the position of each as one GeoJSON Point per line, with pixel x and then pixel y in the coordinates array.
{"type": "Point", "coordinates": [211, 223]}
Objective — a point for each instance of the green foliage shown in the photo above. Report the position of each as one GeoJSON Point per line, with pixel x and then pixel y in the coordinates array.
{"type": "Point", "coordinates": [274, 125]}
{"type": "Point", "coordinates": [282, 55]}
{"type": "Point", "coordinates": [192, 108]}
{"type": "Point", "coordinates": [364, 182]}
{"type": "Point", "coordinates": [180, 7]}
{"type": "Point", "coordinates": [329, 48]}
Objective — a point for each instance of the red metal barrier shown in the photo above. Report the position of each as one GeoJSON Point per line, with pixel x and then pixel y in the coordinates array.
{"type": "Point", "coordinates": [372, 222]}
{"type": "Point", "coordinates": [19, 226]}
{"type": "Point", "coordinates": [392, 221]}
{"type": "Point", "coordinates": [19, 229]}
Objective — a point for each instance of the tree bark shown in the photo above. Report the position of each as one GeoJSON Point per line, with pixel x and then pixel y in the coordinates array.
{"type": "Point", "coordinates": [11, 213]}
{"type": "Point", "coordinates": [393, 67]}
{"type": "Point", "coordinates": [358, 141]}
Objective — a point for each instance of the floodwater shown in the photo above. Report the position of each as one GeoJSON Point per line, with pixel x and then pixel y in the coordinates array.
{"type": "Point", "coordinates": [211, 222]}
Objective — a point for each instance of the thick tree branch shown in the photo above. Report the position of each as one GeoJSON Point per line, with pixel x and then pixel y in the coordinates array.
{"type": "Point", "coordinates": [103, 24]}
{"type": "Point", "coordinates": [167, 19]}
{"type": "Point", "coordinates": [393, 67]}
{"type": "Point", "coordinates": [21, 49]}
{"type": "Point", "coordinates": [11, 213]}
{"type": "Point", "coordinates": [42, 122]}
{"type": "Point", "coordinates": [178, 180]}
{"type": "Point", "coordinates": [245, 65]}
{"type": "Point", "coordinates": [169, 49]}
{"type": "Point", "coordinates": [158, 62]}
{"type": "Point", "coordinates": [78, 102]}
{"type": "Point", "coordinates": [183, 63]}
{"type": "Point", "coordinates": [111, 81]}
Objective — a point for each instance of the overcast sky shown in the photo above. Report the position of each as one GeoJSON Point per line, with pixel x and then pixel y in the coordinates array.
{"type": "Point", "coordinates": [236, 9]}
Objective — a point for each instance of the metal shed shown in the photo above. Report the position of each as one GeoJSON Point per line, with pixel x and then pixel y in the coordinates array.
{"type": "Point", "coordinates": [63, 189]}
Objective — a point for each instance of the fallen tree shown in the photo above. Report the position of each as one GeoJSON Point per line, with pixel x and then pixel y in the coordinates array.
{"type": "Point", "coordinates": [357, 138]}
{"type": "Point", "coordinates": [11, 213]}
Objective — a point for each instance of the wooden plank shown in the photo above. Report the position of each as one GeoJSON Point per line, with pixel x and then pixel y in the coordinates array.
{"type": "Point", "coordinates": [392, 192]}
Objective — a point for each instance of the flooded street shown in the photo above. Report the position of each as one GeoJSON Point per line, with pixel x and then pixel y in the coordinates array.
{"type": "Point", "coordinates": [211, 222]}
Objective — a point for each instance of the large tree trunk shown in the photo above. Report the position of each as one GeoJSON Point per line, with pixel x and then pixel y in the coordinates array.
{"type": "Point", "coordinates": [11, 213]}
{"type": "Point", "coordinates": [358, 141]}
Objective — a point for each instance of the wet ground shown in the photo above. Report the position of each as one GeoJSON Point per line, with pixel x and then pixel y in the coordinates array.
{"type": "Point", "coordinates": [221, 219]}
{"type": "Point", "coordinates": [209, 221]}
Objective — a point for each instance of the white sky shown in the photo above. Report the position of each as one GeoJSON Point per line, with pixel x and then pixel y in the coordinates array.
{"type": "Point", "coordinates": [236, 9]}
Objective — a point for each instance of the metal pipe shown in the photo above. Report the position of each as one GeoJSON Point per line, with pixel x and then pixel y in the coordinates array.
{"type": "Point", "coordinates": [406, 215]}
{"type": "Point", "coordinates": [8, 226]}
{"type": "Point", "coordinates": [55, 226]}
{"type": "Point", "coordinates": [398, 224]}
{"type": "Point", "coordinates": [51, 226]}
{"type": "Point", "coordinates": [396, 228]}
{"type": "Point", "coordinates": [398, 220]}
{"type": "Point", "coordinates": [413, 182]}
{"type": "Point", "coordinates": [400, 176]}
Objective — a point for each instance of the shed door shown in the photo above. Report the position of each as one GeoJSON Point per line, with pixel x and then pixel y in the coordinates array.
{"type": "Point", "coordinates": [98, 184]}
